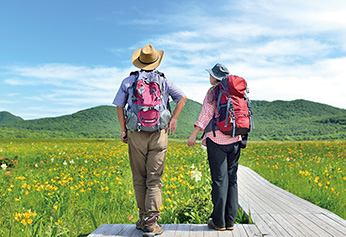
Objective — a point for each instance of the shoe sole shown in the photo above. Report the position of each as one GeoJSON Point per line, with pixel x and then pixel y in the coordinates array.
{"type": "Point", "coordinates": [229, 228]}
{"type": "Point", "coordinates": [216, 228]}
{"type": "Point", "coordinates": [220, 228]}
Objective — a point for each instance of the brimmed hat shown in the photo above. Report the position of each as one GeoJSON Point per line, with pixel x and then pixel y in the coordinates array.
{"type": "Point", "coordinates": [147, 58]}
{"type": "Point", "coordinates": [219, 71]}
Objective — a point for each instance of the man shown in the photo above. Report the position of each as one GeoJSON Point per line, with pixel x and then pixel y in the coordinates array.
{"type": "Point", "coordinates": [147, 149]}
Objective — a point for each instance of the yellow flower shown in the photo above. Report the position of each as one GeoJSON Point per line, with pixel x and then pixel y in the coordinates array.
{"type": "Point", "coordinates": [23, 222]}
{"type": "Point", "coordinates": [332, 189]}
{"type": "Point", "coordinates": [30, 221]}
{"type": "Point", "coordinates": [55, 207]}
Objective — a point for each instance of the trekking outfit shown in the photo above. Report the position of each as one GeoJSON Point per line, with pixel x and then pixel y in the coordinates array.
{"type": "Point", "coordinates": [145, 94]}
{"type": "Point", "coordinates": [223, 155]}
{"type": "Point", "coordinates": [224, 141]}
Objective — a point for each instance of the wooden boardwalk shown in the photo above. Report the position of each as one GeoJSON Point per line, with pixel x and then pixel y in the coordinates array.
{"type": "Point", "coordinates": [274, 211]}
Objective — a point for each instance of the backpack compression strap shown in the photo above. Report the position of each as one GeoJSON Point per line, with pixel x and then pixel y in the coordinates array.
{"type": "Point", "coordinates": [224, 85]}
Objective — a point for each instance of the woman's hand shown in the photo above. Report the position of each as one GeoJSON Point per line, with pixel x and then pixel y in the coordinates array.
{"type": "Point", "coordinates": [192, 139]}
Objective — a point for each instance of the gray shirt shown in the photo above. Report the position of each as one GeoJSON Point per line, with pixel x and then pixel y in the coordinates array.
{"type": "Point", "coordinates": [125, 92]}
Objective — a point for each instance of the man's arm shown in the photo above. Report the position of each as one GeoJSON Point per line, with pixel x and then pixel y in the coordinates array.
{"type": "Point", "coordinates": [172, 125]}
{"type": "Point", "coordinates": [121, 119]}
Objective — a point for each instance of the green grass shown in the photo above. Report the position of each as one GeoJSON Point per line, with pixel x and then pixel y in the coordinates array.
{"type": "Point", "coordinates": [57, 187]}
{"type": "Point", "coordinates": [66, 187]}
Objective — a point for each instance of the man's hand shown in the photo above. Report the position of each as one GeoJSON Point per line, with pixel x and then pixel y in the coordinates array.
{"type": "Point", "coordinates": [172, 125]}
{"type": "Point", "coordinates": [123, 137]}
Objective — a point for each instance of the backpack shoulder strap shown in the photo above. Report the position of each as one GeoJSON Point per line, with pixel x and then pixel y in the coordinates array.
{"type": "Point", "coordinates": [136, 73]}
{"type": "Point", "coordinates": [224, 83]}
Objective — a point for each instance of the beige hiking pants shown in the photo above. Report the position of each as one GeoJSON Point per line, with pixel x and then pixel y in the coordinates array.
{"type": "Point", "coordinates": [147, 155]}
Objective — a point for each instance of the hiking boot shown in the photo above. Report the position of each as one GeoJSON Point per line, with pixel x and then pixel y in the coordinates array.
{"type": "Point", "coordinates": [153, 230]}
{"type": "Point", "coordinates": [139, 225]}
{"type": "Point", "coordinates": [211, 225]}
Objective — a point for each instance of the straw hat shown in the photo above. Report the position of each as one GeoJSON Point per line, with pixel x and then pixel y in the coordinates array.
{"type": "Point", "coordinates": [147, 58]}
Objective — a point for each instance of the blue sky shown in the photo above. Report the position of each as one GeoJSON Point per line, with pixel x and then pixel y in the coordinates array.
{"type": "Point", "coordinates": [59, 57]}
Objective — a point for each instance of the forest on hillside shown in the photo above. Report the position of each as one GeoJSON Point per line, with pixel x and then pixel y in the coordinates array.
{"type": "Point", "coordinates": [277, 120]}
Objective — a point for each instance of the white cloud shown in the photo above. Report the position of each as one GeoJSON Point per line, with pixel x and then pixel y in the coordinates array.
{"type": "Point", "coordinates": [285, 49]}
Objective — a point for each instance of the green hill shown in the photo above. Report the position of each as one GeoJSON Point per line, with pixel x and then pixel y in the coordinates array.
{"type": "Point", "coordinates": [298, 120]}
{"type": "Point", "coordinates": [6, 116]}
{"type": "Point", "coordinates": [97, 122]}
{"type": "Point", "coordinates": [277, 120]}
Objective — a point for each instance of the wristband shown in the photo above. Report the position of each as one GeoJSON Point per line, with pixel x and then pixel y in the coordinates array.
{"type": "Point", "coordinates": [123, 132]}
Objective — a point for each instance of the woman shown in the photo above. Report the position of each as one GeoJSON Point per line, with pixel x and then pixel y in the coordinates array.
{"type": "Point", "coordinates": [223, 155]}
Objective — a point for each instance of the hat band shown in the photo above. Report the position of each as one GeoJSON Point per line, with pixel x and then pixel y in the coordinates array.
{"type": "Point", "coordinates": [150, 62]}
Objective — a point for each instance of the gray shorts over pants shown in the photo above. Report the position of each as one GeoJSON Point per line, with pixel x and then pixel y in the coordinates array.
{"type": "Point", "coordinates": [147, 152]}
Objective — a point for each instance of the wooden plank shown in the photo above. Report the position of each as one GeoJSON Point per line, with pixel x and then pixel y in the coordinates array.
{"type": "Point", "coordinates": [248, 203]}
{"type": "Point", "coordinates": [306, 226]}
{"type": "Point", "coordinates": [334, 217]}
{"type": "Point", "coordinates": [207, 232]}
{"type": "Point", "coordinates": [326, 222]}
{"type": "Point", "coordinates": [287, 224]}
{"type": "Point", "coordinates": [196, 230]}
{"type": "Point", "coordinates": [182, 230]}
{"type": "Point", "coordinates": [226, 233]}
{"type": "Point", "coordinates": [239, 231]}
{"type": "Point", "coordinates": [169, 229]}
{"type": "Point", "coordinates": [108, 229]}
{"type": "Point", "coordinates": [281, 194]}
{"type": "Point", "coordinates": [264, 226]}
{"type": "Point", "coordinates": [136, 232]}
{"type": "Point", "coordinates": [261, 193]}
{"type": "Point", "coordinates": [126, 231]}
{"type": "Point", "coordinates": [252, 230]}
{"type": "Point", "coordinates": [332, 228]}
{"type": "Point", "coordinates": [274, 225]}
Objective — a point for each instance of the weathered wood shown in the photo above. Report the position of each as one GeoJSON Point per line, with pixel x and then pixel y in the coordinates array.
{"type": "Point", "coordinates": [274, 211]}
{"type": "Point", "coordinates": [280, 213]}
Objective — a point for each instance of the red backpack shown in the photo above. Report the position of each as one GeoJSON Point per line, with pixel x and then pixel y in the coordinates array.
{"type": "Point", "coordinates": [149, 112]}
{"type": "Point", "coordinates": [234, 114]}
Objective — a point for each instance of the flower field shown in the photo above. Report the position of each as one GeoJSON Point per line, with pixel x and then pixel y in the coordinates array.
{"type": "Point", "coordinates": [70, 187]}
{"type": "Point", "coordinates": [52, 187]}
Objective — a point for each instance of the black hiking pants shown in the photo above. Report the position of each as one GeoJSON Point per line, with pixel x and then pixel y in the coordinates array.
{"type": "Point", "coordinates": [223, 162]}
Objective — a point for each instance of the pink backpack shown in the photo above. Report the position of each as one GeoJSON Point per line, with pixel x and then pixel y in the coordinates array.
{"type": "Point", "coordinates": [149, 112]}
